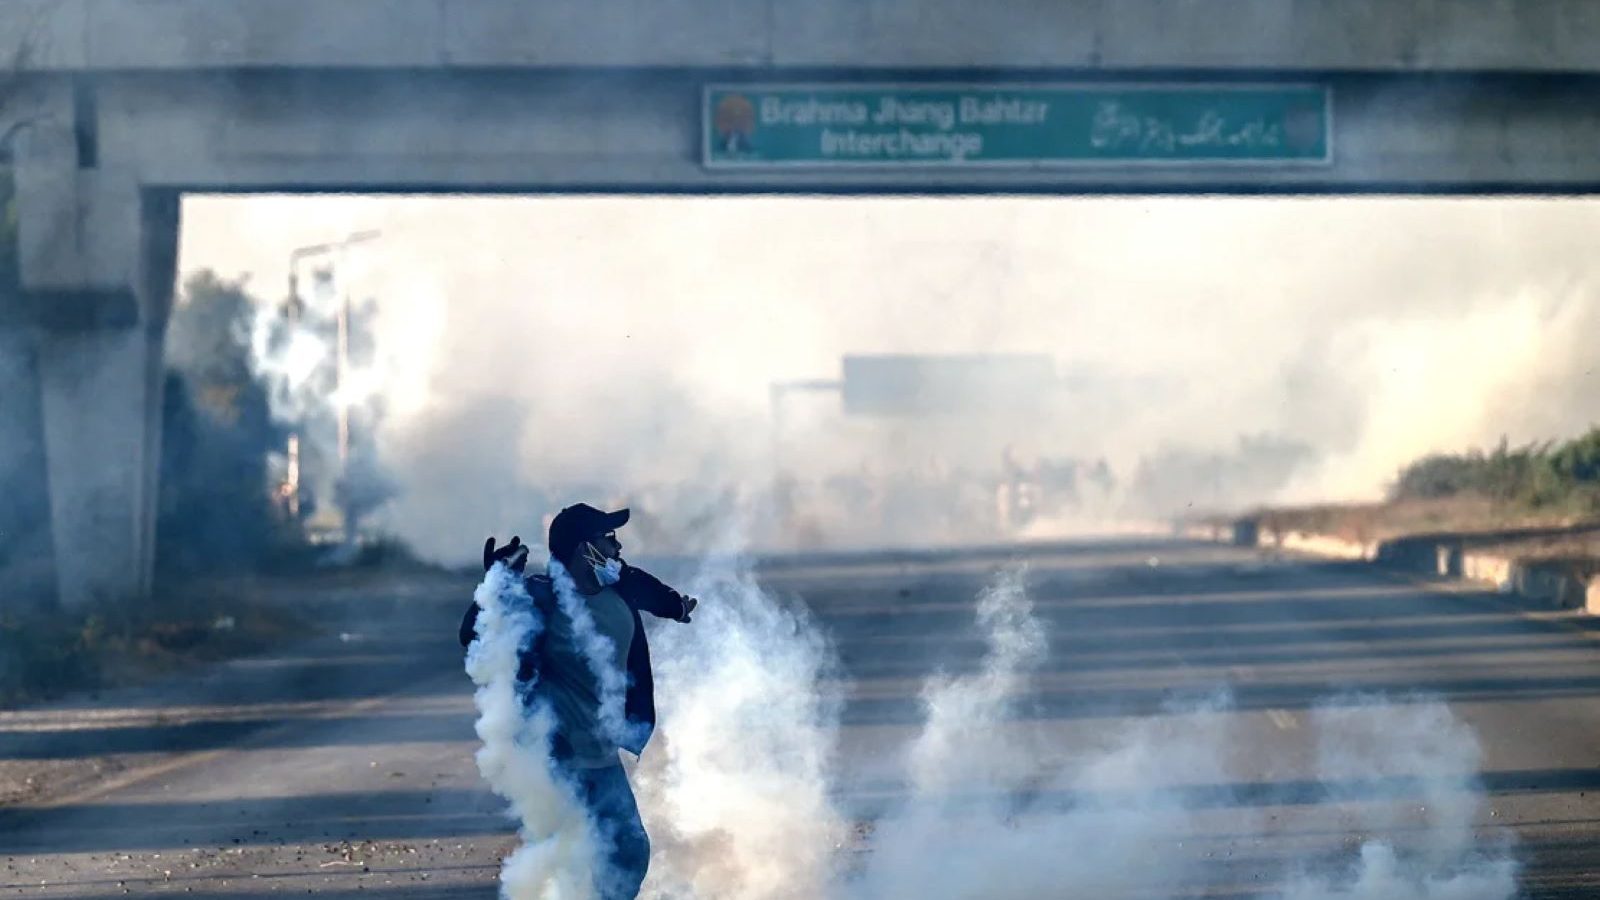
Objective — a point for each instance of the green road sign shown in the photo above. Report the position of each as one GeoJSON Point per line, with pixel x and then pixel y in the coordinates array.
{"type": "Point", "coordinates": [832, 125]}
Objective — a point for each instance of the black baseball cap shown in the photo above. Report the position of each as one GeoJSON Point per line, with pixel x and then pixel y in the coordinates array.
{"type": "Point", "coordinates": [579, 523]}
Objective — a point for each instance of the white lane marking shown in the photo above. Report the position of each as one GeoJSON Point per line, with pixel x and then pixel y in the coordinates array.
{"type": "Point", "coordinates": [1284, 719]}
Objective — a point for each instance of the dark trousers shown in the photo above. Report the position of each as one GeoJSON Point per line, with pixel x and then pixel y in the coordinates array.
{"type": "Point", "coordinates": [624, 848]}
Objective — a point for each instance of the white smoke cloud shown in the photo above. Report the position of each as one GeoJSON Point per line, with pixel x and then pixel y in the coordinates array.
{"type": "Point", "coordinates": [739, 789]}
{"type": "Point", "coordinates": [1369, 330]}
{"type": "Point", "coordinates": [1367, 740]}
{"type": "Point", "coordinates": [970, 772]}
{"type": "Point", "coordinates": [961, 742]}
{"type": "Point", "coordinates": [288, 359]}
{"type": "Point", "coordinates": [599, 652]}
{"type": "Point", "coordinates": [1381, 875]}
{"type": "Point", "coordinates": [736, 789]}
{"type": "Point", "coordinates": [734, 792]}
{"type": "Point", "coordinates": [555, 859]}
{"type": "Point", "coordinates": [968, 817]}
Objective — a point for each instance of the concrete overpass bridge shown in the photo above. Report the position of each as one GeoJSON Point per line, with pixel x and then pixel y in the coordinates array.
{"type": "Point", "coordinates": [121, 106]}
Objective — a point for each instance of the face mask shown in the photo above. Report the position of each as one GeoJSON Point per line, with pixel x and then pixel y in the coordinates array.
{"type": "Point", "coordinates": [610, 573]}
{"type": "Point", "coordinates": [606, 571]}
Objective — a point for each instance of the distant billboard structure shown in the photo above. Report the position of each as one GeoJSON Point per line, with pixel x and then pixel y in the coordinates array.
{"type": "Point", "coordinates": [931, 384]}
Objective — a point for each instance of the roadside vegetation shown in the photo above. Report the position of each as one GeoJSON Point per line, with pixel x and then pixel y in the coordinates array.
{"type": "Point", "coordinates": [1562, 479]}
{"type": "Point", "coordinates": [214, 515]}
{"type": "Point", "coordinates": [1543, 497]}
{"type": "Point", "coordinates": [45, 654]}
{"type": "Point", "coordinates": [224, 534]}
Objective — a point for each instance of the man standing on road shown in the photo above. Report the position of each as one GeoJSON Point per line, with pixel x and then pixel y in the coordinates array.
{"type": "Point", "coordinates": [591, 665]}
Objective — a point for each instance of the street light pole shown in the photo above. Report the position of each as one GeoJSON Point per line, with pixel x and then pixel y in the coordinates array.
{"type": "Point", "coordinates": [294, 305]}
{"type": "Point", "coordinates": [341, 366]}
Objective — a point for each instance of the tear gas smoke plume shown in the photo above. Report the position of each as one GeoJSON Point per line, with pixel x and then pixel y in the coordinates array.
{"type": "Point", "coordinates": [740, 790]}
{"type": "Point", "coordinates": [1365, 740]}
{"type": "Point", "coordinates": [736, 793]}
{"type": "Point", "coordinates": [975, 824]}
{"type": "Point", "coordinates": [554, 861]}
{"type": "Point", "coordinates": [315, 351]}
{"type": "Point", "coordinates": [975, 776]}
{"type": "Point", "coordinates": [1210, 352]}
{"type": "Point", "coordinates": [598, 651]}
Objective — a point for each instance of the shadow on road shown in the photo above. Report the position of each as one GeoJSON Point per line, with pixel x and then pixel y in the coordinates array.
{"type": "Point", "coordinates": [401, 815]}
{"type": "Point", "coordinates": [1126, 639]}
{"type": "Point", "coordinates": [410, 815]}
{"type": "Point", "coordinates": [1178, 628]}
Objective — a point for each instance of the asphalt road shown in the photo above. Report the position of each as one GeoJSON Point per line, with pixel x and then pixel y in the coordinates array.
{"type": "Point", "coordinates": [344, 767]}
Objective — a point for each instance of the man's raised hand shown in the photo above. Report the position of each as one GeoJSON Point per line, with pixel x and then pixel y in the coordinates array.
{"type": "Point", "coordinates": [514, 554]}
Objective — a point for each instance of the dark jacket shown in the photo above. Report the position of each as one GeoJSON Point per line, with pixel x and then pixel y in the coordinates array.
{"type": "Point", "coordinates": [642, 592]}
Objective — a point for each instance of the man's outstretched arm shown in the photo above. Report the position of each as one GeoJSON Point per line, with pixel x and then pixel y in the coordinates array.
{"type": "Point", "coordinates": [651, 595]}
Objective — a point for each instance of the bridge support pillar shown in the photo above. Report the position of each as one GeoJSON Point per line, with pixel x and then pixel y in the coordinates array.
{"type": "Point", "coordinates": [27, 573]}
{"type": "Point", "coordinates": [97, 257]}
{"type": "Point", "coordinates": [101, 404]}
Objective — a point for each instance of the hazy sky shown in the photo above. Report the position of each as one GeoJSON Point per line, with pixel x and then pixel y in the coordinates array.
{"type": "Point", "coordinates": [637, 333]}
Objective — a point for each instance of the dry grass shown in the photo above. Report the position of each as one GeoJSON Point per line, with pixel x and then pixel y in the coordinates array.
{"type": "Point", "coordinates": [1385, 521]}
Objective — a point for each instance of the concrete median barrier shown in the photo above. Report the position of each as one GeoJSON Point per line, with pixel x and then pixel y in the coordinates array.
{"type": "Point", "coordinates": [1550, 584]}
{"type": "Point", "coordinates": [1327, 545]}
{"type": "Point", "coordinates": [1448, 560]}
{"type": "Point", "coordinates": [1419, 555]}
{"type": "Point", "coordinates": [1245, 532]}
{"type": "Point", "coordinates": [1487, 569]}
{"type": "Point", "coordinates": [1544, 583]}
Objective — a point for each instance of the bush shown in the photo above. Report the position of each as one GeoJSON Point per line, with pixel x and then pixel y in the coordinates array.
{"type": "Point", "coordinates": [1534, 476]}
{"type": "Point", "coordinates": [1579, 460]}
{"type": "Point", "coordinates": [40, 656]}
{"type": "Point", "coordinates": [388, 552]}
{"type": "Point", "coordinates": [215, 509]}
{"type": "Point", "coordinates": [1433, 477]}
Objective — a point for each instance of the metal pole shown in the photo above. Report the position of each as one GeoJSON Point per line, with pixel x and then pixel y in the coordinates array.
{"type": "Point", "coordinates": [341, 350]}
{"type": "Point", "coordinates": [341, 366]}
{"type": "Point", "coordinates": [292, 477]}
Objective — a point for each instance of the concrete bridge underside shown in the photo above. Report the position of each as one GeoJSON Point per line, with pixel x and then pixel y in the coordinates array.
{"type": "Point", "coordinates": [124, 105]}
